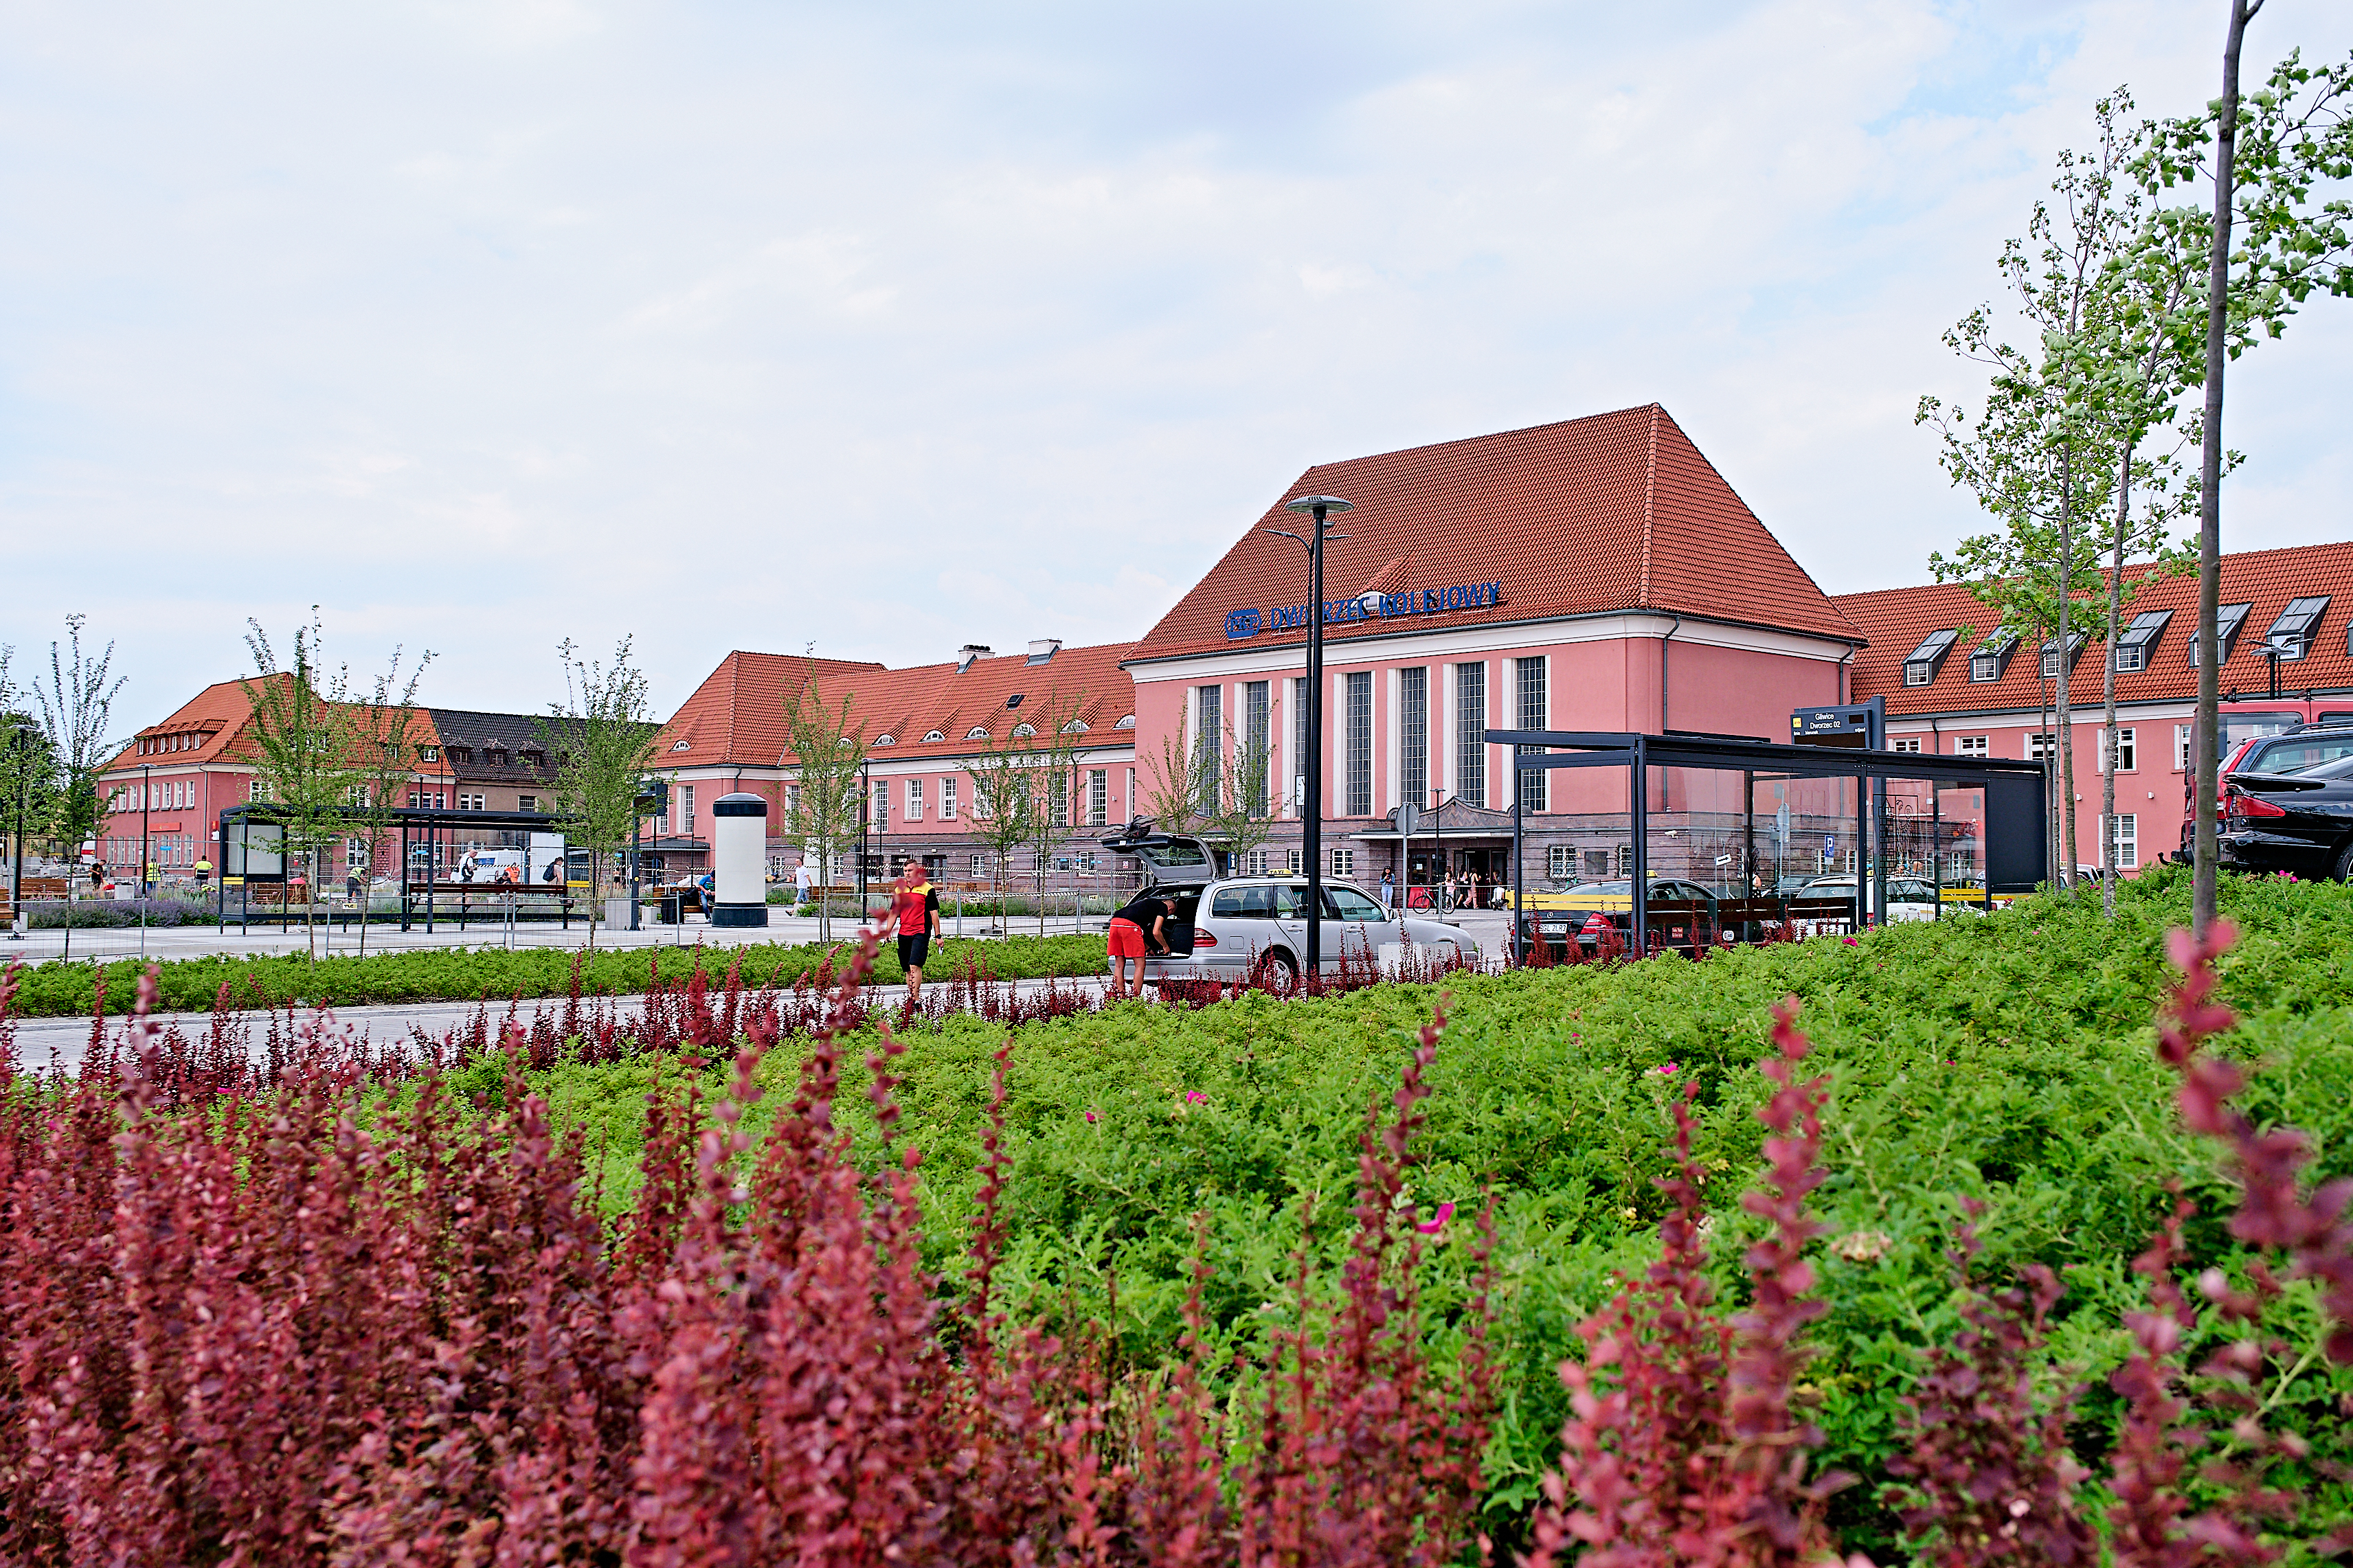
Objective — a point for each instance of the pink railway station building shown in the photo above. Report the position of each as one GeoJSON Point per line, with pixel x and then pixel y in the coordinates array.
{"type": "Point", "coordinates": [1597, 575]}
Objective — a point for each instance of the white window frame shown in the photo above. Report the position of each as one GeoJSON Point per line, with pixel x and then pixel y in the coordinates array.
{"type": "Point", "coordinates": [1343, 862]}
{"type": "Point", "coordinates": [1910, 743]}
{"type": "Point", "coordinates": [2181, 748]}
{"type": "Point", "coordinates": [914, 800]}
{"type": "Point", "coordinates": [948, 798]}
{"type": "Point", "coordinates": [2124, 829]}
{"type": "Point", "coordinates": [1560, 862]}
{"type": "Point", "coordinates": [2128, 750]}
{"type": "Point", "coordinates": [1973, 746]}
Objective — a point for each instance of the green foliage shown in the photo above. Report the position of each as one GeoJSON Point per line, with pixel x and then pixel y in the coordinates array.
{"type": "Point", "coordinates": [458, 974]}
{"type": "Point", "coordinates": [601, 737]}
{"type": "Point", "coordinates": [826, 795]}
{"type": "Point", "coordinates": [2007, 1059]}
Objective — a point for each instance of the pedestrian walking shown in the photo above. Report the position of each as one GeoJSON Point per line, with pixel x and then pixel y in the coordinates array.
{"type": "Point", "coordinates": [915, 912]}
{"type": "Point", "coordinates": [804, 879]}
{"type": "Point", "coordinates": [1470, 891]}
{"type": "Point", "coordinates": [1388, 891]}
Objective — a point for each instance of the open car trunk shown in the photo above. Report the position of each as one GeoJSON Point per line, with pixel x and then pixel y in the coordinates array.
{"type": "Point", "coordinates": [1178, 927]}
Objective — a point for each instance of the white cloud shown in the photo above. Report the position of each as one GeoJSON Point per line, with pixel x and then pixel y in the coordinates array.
{"type": "Point", "coordinates": [486, 325]}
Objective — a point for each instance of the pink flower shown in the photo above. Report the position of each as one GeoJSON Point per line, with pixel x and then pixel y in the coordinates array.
{"type": "Point", "coordinates": [1852, 942]}
{"type": "Point", "coordinates": [1195, 1097]}
{"type": "Point", "coordinates": [1668, 1069]}
{"type": "Point", "coordinates": [1438, 1221]}
{"type": "Point", "coordinates": [1090, 1116]}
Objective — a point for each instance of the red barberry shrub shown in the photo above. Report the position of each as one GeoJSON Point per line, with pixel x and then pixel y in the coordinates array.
{"type": "Point", "coordinates": [1690, 1449]}
{"type": "Point", "coordinates": [288, 1323]}
{"type": "Point", "coordinates": [1990, 1478]}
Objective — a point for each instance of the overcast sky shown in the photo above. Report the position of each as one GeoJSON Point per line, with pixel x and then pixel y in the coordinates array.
{"type": "Point", "coordinates": [887, 328]}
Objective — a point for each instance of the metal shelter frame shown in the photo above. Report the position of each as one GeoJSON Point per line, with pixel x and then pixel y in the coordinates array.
{"type": "Point", "coordinates": [2013, 793]}
{"type": "Point", "coordinates": [414, 824]}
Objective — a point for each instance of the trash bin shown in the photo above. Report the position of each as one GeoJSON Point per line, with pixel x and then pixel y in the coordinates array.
{"type": "Point", "coordinates": [672, 906]}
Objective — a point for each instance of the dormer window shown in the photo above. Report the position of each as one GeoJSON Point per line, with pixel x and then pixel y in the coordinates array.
{"type": "Point", "coordinates": [1992, 657]}
{"type": "Point", "coordinates": [886, 740]}
{"type": "Point", "coordinates": [2228, 621]}
{"type": "Point", "coordinates": [2134, 646]}
{"type": "Point", "coordinates": [428, 754]}
{"type": "Point", "coordinates": [1075, 726]}
{"type": "Point", "coordinates": [535, 759]}
{"type": "Point", "coordinates": [1127, 724]}
{"type": "Point", "coordinates": [2292, 633]}
{"type": "Point", "coordinates": [461, 753]}
{"type": "Point", "coordinates": [930, 736]}
{"type": "Point", "coordinates": [683, 746]}
{"type": "Point", "coordinates": [1929, 657]}
{"type": "Point", "coordinates": [2050, 654]}
{"type": "Point", "coordinates": [976, 733]}
{"type": "Point", "coordinates": [1023, 732]}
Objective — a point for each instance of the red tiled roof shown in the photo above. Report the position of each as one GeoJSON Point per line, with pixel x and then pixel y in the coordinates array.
{"type": "Point", "coordinates": [222, 715]}
{"type": "Point", "coordinates": [1897, 620]}
{"type": "Point", "coordinates": [736, 717]}
{"type": "Point", "coordinates": [1616, 511]}
{"type": "Point", "coordinates": [745, 698]}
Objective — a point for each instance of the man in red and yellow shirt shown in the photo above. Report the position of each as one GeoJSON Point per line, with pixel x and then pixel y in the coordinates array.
{"type": "Point", "coordinates": [915, 914]}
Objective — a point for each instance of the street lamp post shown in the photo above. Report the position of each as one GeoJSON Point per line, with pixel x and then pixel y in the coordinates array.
{"type": "Point", "coordinates": [1319, 507]}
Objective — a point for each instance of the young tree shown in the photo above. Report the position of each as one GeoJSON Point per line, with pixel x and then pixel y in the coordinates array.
{"type": "Point", "coordinates": [385, 729]}
{"type": "Point", "coordinates": [1005, 806]}
{"type": "Point", "coordinates": [75, 716]}
{"type": "Point", "coordinates": [602, 738]}
{"type": "Point", "coordinates": [1178, 780]}
{"type": "Point", "coordinates": [1053, 759]}
{"type": "Point", "coordinates": [302, 752]}
{"type": "Point", "coordinates": [1244, 815]}
{"type": "Point", "coordinates": [2260, 160]}
{"type": "Point", "coordinates": [2046, 453]}
{"type": "Point", "coordinates": [827, 791]}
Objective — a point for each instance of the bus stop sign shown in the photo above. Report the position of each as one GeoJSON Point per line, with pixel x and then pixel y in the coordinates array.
{"type": "Point", "coordinates": [1860, 724]}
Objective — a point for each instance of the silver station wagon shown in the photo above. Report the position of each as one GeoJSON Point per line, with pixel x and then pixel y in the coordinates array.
{"type": "Point", "coordinates": [1225, 928]}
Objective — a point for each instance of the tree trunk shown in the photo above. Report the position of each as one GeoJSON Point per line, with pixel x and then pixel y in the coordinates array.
{"type": "Point", "coordinates": [2049, 777]}
{"type": "Point", "coordinates": [2108, 692]}
{"type": "Point", "coordinates": [2065, 734]}
{"type": "Point", "coordinates": [2210, 474]}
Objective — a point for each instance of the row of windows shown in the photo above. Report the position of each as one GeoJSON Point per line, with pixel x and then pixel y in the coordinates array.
{"type": "Point", "coordinates": [162, 848]}
{"type": "Point", "coordinates": [2043, 745]}
{"type": "Point", "coordinates": [1094, 799]}
{"type": "Point", "coordinates": [1357, 738]}
{"type": "Point", "coordinates": [2289, 638]}
{"type": "Point", "coordinates": [168, 795]}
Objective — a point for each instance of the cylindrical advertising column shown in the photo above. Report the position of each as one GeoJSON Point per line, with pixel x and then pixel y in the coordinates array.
{"type": "Point", "coordinates": [739, 845]}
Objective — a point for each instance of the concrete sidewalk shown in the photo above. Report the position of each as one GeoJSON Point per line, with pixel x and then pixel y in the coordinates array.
{"type": "Point", "coordinates": [204, 940]}
{"type": "Point", "coordinates": [68, 1038]}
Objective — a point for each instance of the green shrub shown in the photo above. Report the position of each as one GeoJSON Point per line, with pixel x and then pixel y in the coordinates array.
{"type": "Point", "coordinates": [2007, 1060]}
{"type": "Point", "coordinates": [463, 974]}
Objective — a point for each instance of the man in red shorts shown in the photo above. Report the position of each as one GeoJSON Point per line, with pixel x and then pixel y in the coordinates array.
{"type": "Point", "coordinates": [915, 912]}
{"type": "Point", "coordinates": [1138, 929]}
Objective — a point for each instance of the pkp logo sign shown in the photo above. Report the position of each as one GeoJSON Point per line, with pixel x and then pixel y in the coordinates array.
{"type": "Point", "coordinates": [1242, 624]}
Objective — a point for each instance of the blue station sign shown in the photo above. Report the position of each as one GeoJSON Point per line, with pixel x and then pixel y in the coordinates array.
{"type": "Point", "coordinates": [1250, 621]}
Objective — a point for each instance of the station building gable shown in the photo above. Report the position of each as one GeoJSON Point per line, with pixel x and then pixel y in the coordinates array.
{"type": "Point", "coordinates": [1614, 512]}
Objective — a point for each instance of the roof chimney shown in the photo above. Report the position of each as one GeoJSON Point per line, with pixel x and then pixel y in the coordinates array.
{"type": "Point", "coordinates": [1043, 648]}
{"type": "Point", "coordinates": [969, 652]}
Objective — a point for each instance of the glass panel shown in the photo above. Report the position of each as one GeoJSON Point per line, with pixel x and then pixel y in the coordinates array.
{"type": "Point", "coordinates": [1347, 904]}
{"type": "Point", "coordinates": [1470, 726]}
{"type": "Point", "coordinates": [1413, 736]}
